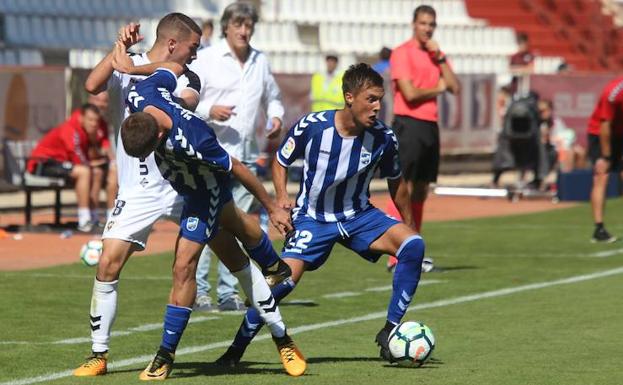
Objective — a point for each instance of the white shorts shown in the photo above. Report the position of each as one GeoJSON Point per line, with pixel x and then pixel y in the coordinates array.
{"type": "Point", "coordinates": [136, 212]}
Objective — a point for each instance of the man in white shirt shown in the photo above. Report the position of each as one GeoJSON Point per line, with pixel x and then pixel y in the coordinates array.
{"type": "Point", "coordinates": [236, 83]}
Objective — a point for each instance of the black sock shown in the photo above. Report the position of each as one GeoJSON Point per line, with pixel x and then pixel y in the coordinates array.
{"type": "Point", "coordinates": [599, 226]}
{"type": "Point", "coordinates": [389, 326]}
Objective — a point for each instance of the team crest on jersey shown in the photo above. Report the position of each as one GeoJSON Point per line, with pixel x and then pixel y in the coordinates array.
{"type": "Point", "coordinates": [191, 223]}
{"type": "Point", "coordinates": [288, 148]}
{"type": "Point", "coordinates": [365, 158]}
{"type": "Point", "coordinates": [109, 225]}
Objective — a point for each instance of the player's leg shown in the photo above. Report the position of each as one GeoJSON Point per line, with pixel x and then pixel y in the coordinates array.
{"type": "Point", "coordinates": [178, 310]}
{"type": "Point", "coordinates": [372, 234]}
{"type": "Point", "coordinates": [112, 188]}
{"type": "Point", "coordinates": [126, 231]}
{"type": "Point", "coordinates": [305, 248]}
{"type": "Point", "coordinates": [255, 241]}
{"type": "Point", "coordinates": [252, 322]}
{"type": "Point", "coordinates": [259, 294]}
{"type": "Point", "coordinates": [598, 191]}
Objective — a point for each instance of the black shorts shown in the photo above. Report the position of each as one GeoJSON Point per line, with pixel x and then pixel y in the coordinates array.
{"type": "Point", "coordinates": [616, 150]}
{"type": "Point", "coordinates": [53, 168]}
{"type": "Point", "coordinates": [418, 145]}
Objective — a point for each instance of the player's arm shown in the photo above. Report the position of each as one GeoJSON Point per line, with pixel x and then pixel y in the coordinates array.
{"type": "Point", "coordinates": [279, 217]}
{"type": "Point", "coordinates": [274, 108]}
{"type": "Point", "coordinates": [280, 181]}
{"type": "Point", "coordinates": [123, 63]}
{"type": "Point", "coordinates": [98, 77]}
{"type": "Point", "coordinates": [418, 95]}
{"type": "Point", "coordinates": [400, 195]}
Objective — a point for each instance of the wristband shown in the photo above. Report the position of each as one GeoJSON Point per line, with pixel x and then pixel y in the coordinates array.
{"type": "Point", "coordinates": [441, 60]}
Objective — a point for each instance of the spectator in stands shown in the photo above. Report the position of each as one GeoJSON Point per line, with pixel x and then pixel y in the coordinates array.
{"type": "Point", "coordinates": [64, 152]}
{"type": "Point", "coordinates": [522, 61]}
{"type": "Point", "coordinates": [326, 87]}
{"type": "Point", "coordinates": [605, 146]}
{"type": "Point", "coordinates": [207, 29]}
{"type": "Point", "coordinates": [420, 72]}
{"type": "Point", "coordinates": [521, 65]}
{"type": "Point", "coordinates": [383, 64]}
{"type": "Point", "coordinates": [108, 172]}
{"type": "Point", "coordinates": [569, 154]}
{"type": "Point", "coordinates": [236, 85]}
{"type": "Point", "coordinates": [382, 67]}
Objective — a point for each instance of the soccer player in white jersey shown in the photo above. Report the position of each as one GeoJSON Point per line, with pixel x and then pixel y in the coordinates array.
{"type": "Point", "coordinates": [341, 151]}
{"type": "Point", "coordinates": [144, 196]}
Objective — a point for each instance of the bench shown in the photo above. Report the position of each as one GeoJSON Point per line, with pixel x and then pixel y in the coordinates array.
{"type": "Point", "coordinates": [16, 154]}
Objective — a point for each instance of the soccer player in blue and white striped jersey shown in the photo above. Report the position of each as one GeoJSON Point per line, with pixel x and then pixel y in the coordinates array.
{"type": "Point", "coordinates": [341, 151]}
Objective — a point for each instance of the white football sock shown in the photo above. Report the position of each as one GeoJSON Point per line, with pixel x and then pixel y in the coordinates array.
{"type": "Point", "coordinates": [103, 313]}
{"type": "Point", "coordinates": [84, 215]}
{"type": "Point", "coordinates": [255, 287]}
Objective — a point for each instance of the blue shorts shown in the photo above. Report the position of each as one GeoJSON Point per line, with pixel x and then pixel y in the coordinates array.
{"type": "Point", "coordinates": [312, 241]}
{"type": "Point", "coordinates": [199, 221]}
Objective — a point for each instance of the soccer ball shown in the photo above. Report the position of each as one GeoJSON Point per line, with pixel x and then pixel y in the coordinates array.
{"type": "Point", "coordinates": [90, 252]}
{"type": "Point", "coordinates": [411, 343]}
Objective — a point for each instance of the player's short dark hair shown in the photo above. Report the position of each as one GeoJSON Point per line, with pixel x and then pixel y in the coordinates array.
{"type": "Point", "coordinates": [424, 9]}
{"type": "Point", "coordinates": [89, 107]}
{"type": "Point", "coordinates": [360, 76]}
{"type": "Point", "coordinates": [176, 24]}
{"type": "Point", "coordinates": [238, 11]}
{"type": "Point", "coordinates": [139, 134]}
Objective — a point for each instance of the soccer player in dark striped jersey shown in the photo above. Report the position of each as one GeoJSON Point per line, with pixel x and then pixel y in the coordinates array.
{"type": "Point", "coordinates": [190, 157]}
{"type": "Point", "coordinates": [341, 150]}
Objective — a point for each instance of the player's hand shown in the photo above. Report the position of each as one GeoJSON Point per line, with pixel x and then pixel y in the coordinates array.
{"type": "Point", "coordinates": [280, 218]}
{"type": "Point", "coordinates": [275, 130]}
{"type": "Point", "coordinates": [433, 47]}
{"type": "Point", "coordinates": [120, 60]}
{"type": "Point", "coordinates": [285, 203]}
{"type": "Point", "coordinates": [442, 86]}
{"type": "Point", "coordinates": [221, 113]}
{"type": "Point", "coordinates": [130, 35]}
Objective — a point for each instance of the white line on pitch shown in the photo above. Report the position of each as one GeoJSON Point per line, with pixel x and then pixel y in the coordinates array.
{"type": "Point", "coordinates": [339, 322]}
{"type": "Point", "coordinates": [606, 253]}
{"type": "Point", "coordinates": [345, 294]}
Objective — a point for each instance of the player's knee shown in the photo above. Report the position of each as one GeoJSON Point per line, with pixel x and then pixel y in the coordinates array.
{"type": "Point", "coordinates": [109, 267]}
{"type": "Point", "coordinates": [412, 249]}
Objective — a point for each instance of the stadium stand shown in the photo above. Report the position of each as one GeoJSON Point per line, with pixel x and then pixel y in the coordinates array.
{"type": "Point", "coordinates": [294, 34]}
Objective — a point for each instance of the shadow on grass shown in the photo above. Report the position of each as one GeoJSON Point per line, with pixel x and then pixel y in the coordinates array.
{"type": "Point", "coordinates": [441, 269]}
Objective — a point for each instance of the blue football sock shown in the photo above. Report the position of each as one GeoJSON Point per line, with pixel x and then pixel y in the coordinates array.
{"type": "Point", "coordinates": [175, 321]}
{"type": "Point", "coordinates": [406, 277]}
{"type": "Point", "coordinates": [252, 322]}
{"type": "Point", "coordinates": [263, 253]}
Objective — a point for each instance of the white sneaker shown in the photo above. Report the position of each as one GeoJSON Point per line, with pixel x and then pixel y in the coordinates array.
{"type": "Point", "coordinates": [203, 302]}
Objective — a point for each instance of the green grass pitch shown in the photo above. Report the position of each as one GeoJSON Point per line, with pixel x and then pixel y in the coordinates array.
{"type": "Point", "coordinates": [516, 300]}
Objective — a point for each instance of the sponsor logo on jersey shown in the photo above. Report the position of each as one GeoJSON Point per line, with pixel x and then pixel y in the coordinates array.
{"type": "Point", "coordinates": [191, 223]}
{"type": "Point", "coordinates": [109, 225]}
{"type": "Point", "coordinates": [288, 148]}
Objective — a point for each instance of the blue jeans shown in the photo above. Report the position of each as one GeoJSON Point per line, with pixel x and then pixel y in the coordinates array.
{"type": "Point", "coordinates": [226, 283]}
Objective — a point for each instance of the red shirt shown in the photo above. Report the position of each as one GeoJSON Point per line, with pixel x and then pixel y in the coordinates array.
{"type": "Point", "coordinates": [410, 61]}
{"type": "Point", "coordinates": [522, 58]}
{"type": "Point", "coordinates": [67, 142]}
{"type": "Point", "coordinates": [609, 108]}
